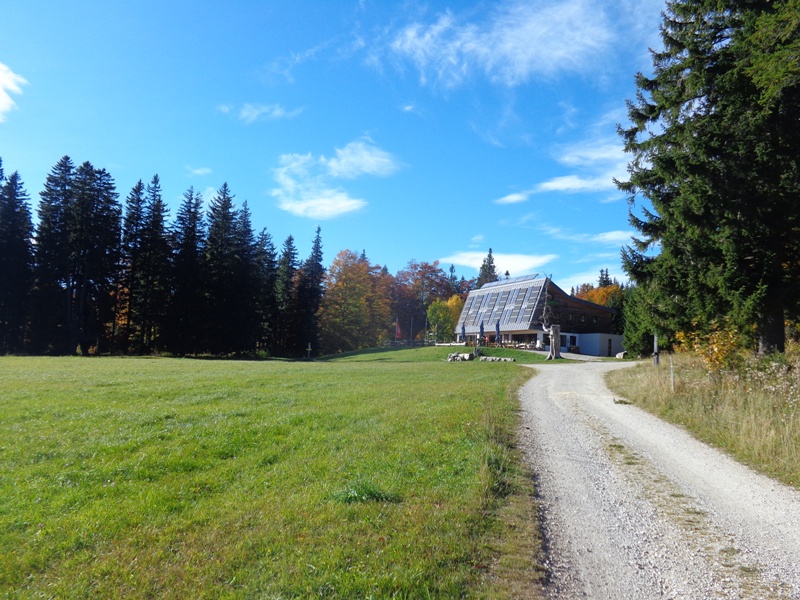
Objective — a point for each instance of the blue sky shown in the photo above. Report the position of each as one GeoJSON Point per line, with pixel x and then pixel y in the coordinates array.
{"type": "Point", "coordinates": [411, 130]}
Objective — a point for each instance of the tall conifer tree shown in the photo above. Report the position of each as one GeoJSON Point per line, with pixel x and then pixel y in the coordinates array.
{"type": "Point", "coordinates": [487, 272]}
{"type": "Point", "coordinates": [93, 244]}
{"type": "Point", "coordinates": [245, 325]}
{"type": "Point", "coordinates": [187, 314]}
{"type": "Point", "coordinates": [221, 263]}
{"type": "Point", "coordinates": [309, 296]}
{"type": "Point", "coordinates": [51, 257]}
{"type": "Point", "coordinates": [16, 262]}
{"type": "Point", "coordinates": [267, 265]}
{"type": "Point", "coordinates": [129, 298]}
{"type": "Point", "coordinates": [153, 269]}
{"type": "Point", "coordinates": [720, 169]}
{"type": "Point", "coordinates": [286, 300]}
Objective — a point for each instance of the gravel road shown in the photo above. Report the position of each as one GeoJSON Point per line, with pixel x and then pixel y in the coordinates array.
{"type": "Point", "coordinates": [633, 507]}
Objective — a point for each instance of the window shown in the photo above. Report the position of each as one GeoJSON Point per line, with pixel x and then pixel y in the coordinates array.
{"type": "Point", "coordinates": [594, 320]}
{"type": "Point", "coordinates": [583, 318]}
{"type": "Point", "coordinates": [570, 318]}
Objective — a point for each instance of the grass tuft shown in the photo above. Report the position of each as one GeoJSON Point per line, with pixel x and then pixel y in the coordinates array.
{"type": "Point", "coordinates": [365, 491]}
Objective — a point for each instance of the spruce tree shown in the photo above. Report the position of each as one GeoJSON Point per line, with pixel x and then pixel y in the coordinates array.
{"type": "Point", "coordinates": [310, 282]}
{"type": "Point", "coordinates": [488, 271]}
{"type": "Point", "coordinates": [93, 244]}
{"type": "Point", "coordinates": [245, 325]}
{"type": "Point", "coordinates": [16, 262]}
{"type": "Point", "coordinates": [129, 297]}
{"type": "Point", "coordinates": [221, 263]}
{"type": "Point", "coordinates": [285, 329]}
{"type": "Point", "coordinates": [153, 269]}
{"type": "Point", "coordinates": [51, 262]}
{"type": "Point", "coordinates": [453, 279]}
{"type": "Point", "coordinates": [720, 169]}
{"type": "Point", "coordinates": [187, 312]}
{"type": "Point", "coordinates": [267, 265]}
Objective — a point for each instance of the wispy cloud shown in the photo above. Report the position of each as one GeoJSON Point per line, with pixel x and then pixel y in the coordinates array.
{"type": "Point", "coordinates": [576, 183]}
{"type": "Point", "coordinates": [198, 171]}
{"type": "Point", "coordinates": [250, 113]}
{"type": "Point", "coordinates": [517, 42]}
{"type": "Point", "coordinates": [606, 238]}
{"type": "Point", "coordinates": [10, 83]}
{"type": "Point", "coordinates": [306, 184]}
{"type": "Point", "coordinates": [598, 161]}
{"type": "Point", "coordinates": [360, 157]}
{"type": "Point", "coordinates": [514, 198]}
{"type": "Point", "coordinates": [285, 66]}
{"type": "Point", "coordinates": [515, 264]}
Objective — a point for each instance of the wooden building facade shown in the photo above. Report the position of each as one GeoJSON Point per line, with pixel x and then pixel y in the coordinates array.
{"type": "Point", "coordinates": [522, 309]}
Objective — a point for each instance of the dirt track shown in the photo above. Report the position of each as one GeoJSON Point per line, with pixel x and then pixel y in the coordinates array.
{"type": "Point", "coordinates": [633, 507]}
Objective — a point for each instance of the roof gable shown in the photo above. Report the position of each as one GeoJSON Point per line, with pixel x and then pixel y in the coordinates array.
{"type": "Point", "coordinates": [518, 304]}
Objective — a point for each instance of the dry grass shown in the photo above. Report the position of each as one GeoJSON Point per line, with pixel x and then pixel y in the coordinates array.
{"type": "Point", "coordinates": [751, 413]}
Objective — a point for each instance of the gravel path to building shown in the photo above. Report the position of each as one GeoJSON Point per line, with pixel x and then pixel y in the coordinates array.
{"type": "Point", "coordinates": [633, 507]}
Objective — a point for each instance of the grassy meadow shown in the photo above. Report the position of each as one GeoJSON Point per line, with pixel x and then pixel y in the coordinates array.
{"type": "Point", "coordinates": [375, 475]}
{"type": "Point", "coordinates": [752, 411]}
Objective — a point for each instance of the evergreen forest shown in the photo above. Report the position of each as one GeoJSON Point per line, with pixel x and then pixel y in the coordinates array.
{"type": "Point", "coordinates": [101, 275]}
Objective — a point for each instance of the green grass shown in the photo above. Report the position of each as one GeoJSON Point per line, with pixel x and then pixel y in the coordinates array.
{"type": "Point", "coordinates": [384, 475]}
{"type": "Point", "coordinates": [432, 354]}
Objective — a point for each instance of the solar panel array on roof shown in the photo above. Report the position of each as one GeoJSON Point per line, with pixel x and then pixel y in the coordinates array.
{"type": "Point", "coordinates": [516, 303]}
{"type": "Point", "coordinates": [500, 282]}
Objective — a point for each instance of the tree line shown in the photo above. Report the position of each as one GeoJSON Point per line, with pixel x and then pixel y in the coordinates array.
{"type": "Point", "coordinates": [714, 136]}
{"type": "Point", "coordinates": [97, 275]}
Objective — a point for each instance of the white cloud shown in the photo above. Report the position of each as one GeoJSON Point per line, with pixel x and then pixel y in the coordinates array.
{"type": "Point", "coordinates": [327, 204]}
{"type": "Point", "coordinates": [306, 185]}
{"type": "Point", "coordinates": [575, 183]}
{"type": "Point", "coordinates": [613, 238]}
{"type": "Point", "coordinates": [360, 157]}
{"type": "Point", "coordinates": [598, 162]}
{"type": "Point", "coordinates": [10, 83]}
{"type": "Point", "coordinates": [250, 113]}
{"type": "Point", "coordinates": [198, 172]}
{"type": "Point", "coordinates": [515, 264]}
{"type": "Point", "coordinates": [514, 198]}
{"type": "Point", "coordinates": [606, 238]}
{"type": "Point", "coordinates": [591, 152]}
{"type": "Point", "coordinates": [516, 43]}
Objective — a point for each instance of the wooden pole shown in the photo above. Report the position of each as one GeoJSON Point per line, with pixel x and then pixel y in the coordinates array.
{"type": "Point", "coordinates": [655, 350]}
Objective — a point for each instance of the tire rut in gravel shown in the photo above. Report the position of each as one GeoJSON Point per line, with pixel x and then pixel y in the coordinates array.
{"type": "Point", "coordinates": [633, 507]}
